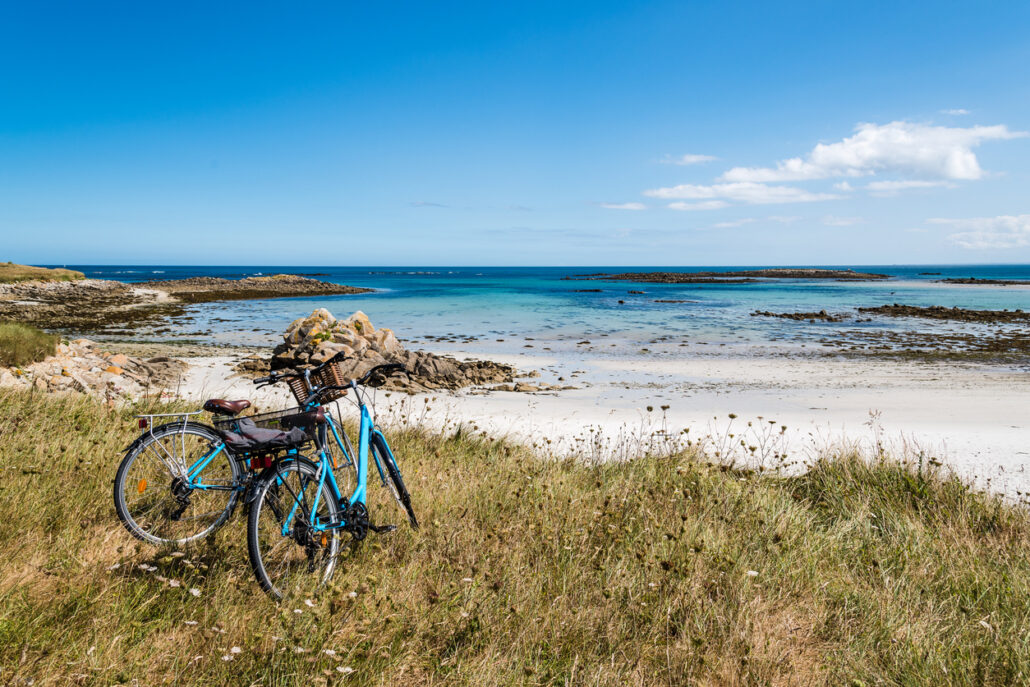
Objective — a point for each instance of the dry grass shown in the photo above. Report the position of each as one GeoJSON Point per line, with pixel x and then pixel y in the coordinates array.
{"type": "Point", "coordinates": [525, 572]}
{"type": "Point", "coordinates": [10, 272]}
{"type": "Point", "coordinates": [21, 344]}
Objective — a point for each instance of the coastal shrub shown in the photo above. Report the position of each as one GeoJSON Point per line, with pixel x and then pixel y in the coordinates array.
{"type": "Point", "coordinates": [21, 344]}
{"type": "Point", "coordinates": [655, 571]}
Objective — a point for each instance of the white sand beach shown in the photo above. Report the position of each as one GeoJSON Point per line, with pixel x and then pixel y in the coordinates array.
{"type": "Point", "coordinates": [974, 418]}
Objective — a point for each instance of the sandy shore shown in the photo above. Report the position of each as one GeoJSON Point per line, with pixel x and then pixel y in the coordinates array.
{"type": "Point", "coordinates": [973, 418]}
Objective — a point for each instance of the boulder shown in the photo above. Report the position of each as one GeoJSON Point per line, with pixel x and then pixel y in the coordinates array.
{"type": "Point", "coordinates": [315, 339]}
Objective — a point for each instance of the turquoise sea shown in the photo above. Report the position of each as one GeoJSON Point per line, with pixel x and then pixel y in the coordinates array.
{"type": "Point", "coordinates": [515, 303]}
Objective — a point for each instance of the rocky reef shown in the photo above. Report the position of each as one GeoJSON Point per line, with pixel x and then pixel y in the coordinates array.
{"type": "Point", "coordinates": [205, 289]}
{"type": "Point", "coordinates": [315, 339]}
{"type": "Point", "coordinates": [939, 312]}
{"type": "Point", "coordinates": [82, 366]}
{"type": "Point", "coordinates": [98, 306]}
{"type": "Point", "coordinates": [737, 277]}
{"type": "Point", "coordinates": [822, 315]}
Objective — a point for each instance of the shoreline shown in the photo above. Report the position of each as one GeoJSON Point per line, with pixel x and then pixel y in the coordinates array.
{"type": "Point", "coordinates": [916, 393]}
{"type": "Point", "coordinates": [968, 416]}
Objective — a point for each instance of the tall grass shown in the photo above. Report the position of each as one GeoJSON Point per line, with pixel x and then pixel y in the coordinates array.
{"type": "Point", "coordinates": [655, 571]}
{"type": "Point", "coordinates": [21, 344]}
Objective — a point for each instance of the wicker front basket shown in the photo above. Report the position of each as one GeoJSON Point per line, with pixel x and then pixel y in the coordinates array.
{"type": "Point", "coordinates": [330, 375]}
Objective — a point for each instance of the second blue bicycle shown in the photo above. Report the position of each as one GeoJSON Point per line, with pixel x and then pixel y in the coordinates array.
{"type": "Point", "coordinates": [299, 518]}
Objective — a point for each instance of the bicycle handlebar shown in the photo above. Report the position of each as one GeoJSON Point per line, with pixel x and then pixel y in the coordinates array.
{"type": "Point", "coordinates": [276, 376]}
{"type": "Point", "coordinates": [386, 369]}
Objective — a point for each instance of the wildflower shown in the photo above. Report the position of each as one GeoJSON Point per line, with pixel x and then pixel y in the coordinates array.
{"type": "Point", "coordinates": [297, 611]}
{"type": "Point", "coordinates": [115, 566]}
{"type": "Point", "coordinates": [228, 657]}
{"type": "Point", "coordinates": [752, 573]}
{"type": "Point", "coordinates": [329, 652]}
{"type": "Point", "coordinates": [174, 583]}
{"type": "Point", "coordinates": [309, 603]}
{"type": "Point", "coordinates": [466, 579]}
{"type": "Point", "coordinates": [194, 591]}
{"type": "Point", "coordinates": [235, 650]}
{"type": "Point", "coordinates": [299, 650]}
{"type": "Point", "coordinates": [346, 670]}
{"type": "Point", "coordinates": [190, 622]}
{"type": "Point", "coordinates": [353, 595]}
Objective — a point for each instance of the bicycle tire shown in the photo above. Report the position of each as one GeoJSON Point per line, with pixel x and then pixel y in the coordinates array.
{"type": "Point", "coordinates": [393, 478]}
{"type": "Point", "coordinates": [156, 522]}
{"type": "Point", "coordinates": [269, 500]}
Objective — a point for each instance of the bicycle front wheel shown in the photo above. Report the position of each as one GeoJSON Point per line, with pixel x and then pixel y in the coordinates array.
{"type": "Point", "coordinates": [290, 555]}
{"type": "Point", "coordinates": [157, 504]}
{"type": "Point", "coordinates": [393, 478]}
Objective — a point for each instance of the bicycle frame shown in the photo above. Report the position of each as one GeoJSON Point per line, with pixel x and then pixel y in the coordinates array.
{"type": "Point", "coordinates": [366, 430]}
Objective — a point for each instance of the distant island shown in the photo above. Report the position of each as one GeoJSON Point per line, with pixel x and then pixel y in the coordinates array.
{"type": "Point", "coordinates": [737, 277]}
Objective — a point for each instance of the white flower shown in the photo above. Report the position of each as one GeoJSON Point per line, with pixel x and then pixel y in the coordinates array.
{"type": "Point", "coordinates": [235, 650]}
{"type": "Point", "coordinates": [297, 611]}
{"type": "Point", "coordinates": [115, 566]}
{"type": "Point", "coordinates": [194, 591]}
{"type": "Point", "coordinates": [353, 595]}
{"type": "Point", "coordinates": [346, 670]}
{"type": "Point", "coordinates": [752, 573]}
{"type": "Point", "coordinates": [309, 603]}
{"type": "Point", "coordinates": [227, 657]}
{"type": "Point", "coordinates": [466, 579]}
{"type": "Point", "coordinates": [190, 622]}
{"type": "Point", "coordinates": [300, 650]}
{"type": "Point", "coordinates": [174, 583]}
{"type": "Point", "coordinates": [329, 652]}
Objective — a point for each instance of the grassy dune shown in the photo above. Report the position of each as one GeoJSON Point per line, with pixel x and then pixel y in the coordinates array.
{"type": "Point", "coordinates": [657, 571]}
{"type": "Point", "coordinates": [10, 272]}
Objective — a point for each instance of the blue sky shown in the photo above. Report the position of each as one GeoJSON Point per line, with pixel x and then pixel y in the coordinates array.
{"type": "Point", "coordinates": [658, 133]}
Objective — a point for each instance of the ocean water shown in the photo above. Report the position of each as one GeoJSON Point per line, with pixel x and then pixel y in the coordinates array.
{"type": "Point", "coordinates": [516, 303]}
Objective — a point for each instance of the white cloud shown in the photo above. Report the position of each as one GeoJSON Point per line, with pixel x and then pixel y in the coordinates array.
{"type": "Point", "coordinates": [623, 206]}
{"type": "Point", "coordinates": [957, 111]}
{"type": "Point", "coordinates": [892, 188]}
{"type": "Point", "coordinates": [901, 147]}
{"type": "Point", "coordinates": [834, 221]}
{"type": "Point", "coordinates": [843, 186]}
{"type": "Point", "coordinates": [687, 159]}
{"type": "Point", "coordinates": [1005, 231]}
{"type": "Point", "coordinates": [741, 192]}
{"type": "Point", "coordinates": [733, 224]}
{"type": "Point", "coordinates": [704, 205]}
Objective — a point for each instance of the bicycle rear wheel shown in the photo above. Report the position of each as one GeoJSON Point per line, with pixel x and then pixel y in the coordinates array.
{"type": "Point", "coordinates": [393, 478]}
{"type": "Point", "coordinates": [289, 557]}
{"type": "Point", "coordinates": [153, 500]}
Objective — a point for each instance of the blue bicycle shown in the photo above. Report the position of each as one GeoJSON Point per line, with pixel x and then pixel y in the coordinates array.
{"type": "Point", "coordinates": [299, 515]}
{"type": "Point", "coordinates": [181, 479]}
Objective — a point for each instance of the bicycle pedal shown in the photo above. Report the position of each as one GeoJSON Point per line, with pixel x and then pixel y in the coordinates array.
{"type": "Point", "coordinates": [382, 529]}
